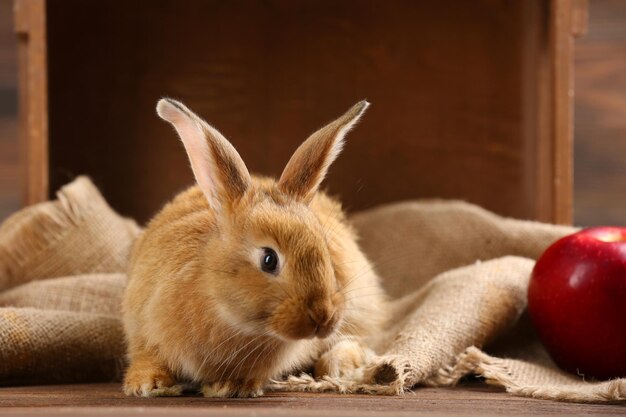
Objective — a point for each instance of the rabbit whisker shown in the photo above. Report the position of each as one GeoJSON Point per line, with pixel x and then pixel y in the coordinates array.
{"type": "Point", "coordinates": [234, 355]}
{"type": "Point", "coordinates": [242, 360]}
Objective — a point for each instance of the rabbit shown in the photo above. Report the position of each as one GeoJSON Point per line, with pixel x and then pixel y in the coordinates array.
{"type": "Point", "coordinates": [241, 279]}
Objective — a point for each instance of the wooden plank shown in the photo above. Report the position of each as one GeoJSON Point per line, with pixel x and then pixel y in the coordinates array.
{"type": "Point", "coordinates": [30, 26]}
{"type": "Point", "coordinates": [9, 167]}
{"type": "Point", "coordinates": [444, 78]}
{"type": "Point", "coordinates": [561, 44]}
{"type": "Point", "coordinates": [8, 52]}
{"type": "Point", "coordinates": [107, 399]}
{"type": "Point", "coordinates": [9, 164]}
{"type": "Point", "coordinates": [455, 134]}
{"type": "Point", "coordinates": [535, 96]}
{"type": "Point", "coordinates": [551, 101]}
{"type": "Point", "coordinates": [580, 17]}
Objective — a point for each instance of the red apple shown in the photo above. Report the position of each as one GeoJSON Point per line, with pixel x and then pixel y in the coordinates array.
{"type": "Point", "coordinates": [577, 302]}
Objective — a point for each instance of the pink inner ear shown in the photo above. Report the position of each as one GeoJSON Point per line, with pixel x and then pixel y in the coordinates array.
{"type": "Point", "coordinates": [195, 143]}
{"type": "Point", "coordinates": [169, 112]}
{"type": "Point", "coordinates": [309, 164]}
{"type": "Point", "coordinates": [200, 159]}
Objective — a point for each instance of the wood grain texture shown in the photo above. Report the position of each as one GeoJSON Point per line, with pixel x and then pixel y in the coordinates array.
{"type": "Point", "coordinates": [599, 128]}
{"type": "Point", "coordinates": [107, 399]}
{"type": "Point", "coordinates": [561, 47]}
{"type": "Point", "coordinates": [9, 164]}
{"type": "Point", "coordinates": [600, 117]}
{"type": "Point", "coordinates": [580, 17]}
{"type": "Point", "coordinates": [599, 123]}
{"type": "Point", "coordinates": [8, 54]}
{"type": "Point", "coordinates": [30, 27]}
{"type": "Point", "coordinates": [450, 115]}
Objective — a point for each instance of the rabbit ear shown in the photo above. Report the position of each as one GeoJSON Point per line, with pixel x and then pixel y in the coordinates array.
{"type": "Point", "coordinates": [308, 166]}
{"type": "Point", "coordinates": [218, 168]}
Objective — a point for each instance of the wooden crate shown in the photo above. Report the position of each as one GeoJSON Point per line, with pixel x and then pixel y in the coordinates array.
{"type": "Point", "coordinates": [470, 99]}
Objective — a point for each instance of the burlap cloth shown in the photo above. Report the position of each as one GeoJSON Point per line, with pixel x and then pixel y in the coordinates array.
{"type": "Point", "coordinates": [458, 275]}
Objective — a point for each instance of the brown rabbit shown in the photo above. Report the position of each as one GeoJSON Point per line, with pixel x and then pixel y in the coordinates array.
{"type": "Point", "coordinates": [241, 279]}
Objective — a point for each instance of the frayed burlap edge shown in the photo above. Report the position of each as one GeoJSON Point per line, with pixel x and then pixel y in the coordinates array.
{"type": "Point", "coordinates": [306, 383]}
{"type": "Point", "coordinates": [506, 373]}
{"type": "Point", "coordinates": [386, 375]}
{"type": "Point", "coordinates": [496, 371]}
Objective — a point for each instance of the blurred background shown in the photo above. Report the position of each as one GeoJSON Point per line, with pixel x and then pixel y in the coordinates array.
{"type": "Point", "coordinates": [599, 116]}
{"type": "Point", "coordinates": [9, 171]}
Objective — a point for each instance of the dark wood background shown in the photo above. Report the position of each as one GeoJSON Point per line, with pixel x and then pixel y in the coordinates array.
{"type": "Point", "coordinates": [454, 111]}
{"type": "Point", "coordinates": [9, 171]}
{"type": "Point", "coordinates": [600, 122]}
{"type": "Point", "coordinates": [600, 117]}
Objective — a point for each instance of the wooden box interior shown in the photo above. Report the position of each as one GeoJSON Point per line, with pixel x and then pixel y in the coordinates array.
{"type": "Point", "coordinates": [461, 92]}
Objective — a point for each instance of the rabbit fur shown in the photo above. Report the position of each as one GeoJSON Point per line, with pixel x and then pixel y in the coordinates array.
{"type": "Point", "coordinates": [201, 309]}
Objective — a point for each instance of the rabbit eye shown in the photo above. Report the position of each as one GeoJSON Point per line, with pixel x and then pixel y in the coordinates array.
{"type": "Point", "coordinates": [269, 261]}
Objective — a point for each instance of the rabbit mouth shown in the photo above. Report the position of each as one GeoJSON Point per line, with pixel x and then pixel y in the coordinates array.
{"type": "Point", "coordinates": [312, 325]}
{"type": "Point", "coordinates": [306, 327]}
{"type": "Point", "coordinates": [297, 319]}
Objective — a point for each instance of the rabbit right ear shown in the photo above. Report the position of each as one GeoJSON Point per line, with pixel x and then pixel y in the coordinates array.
{"type": "Point", "coordinates": [219, 170]}
{"type": "Point", "coordinates": [308, 165]}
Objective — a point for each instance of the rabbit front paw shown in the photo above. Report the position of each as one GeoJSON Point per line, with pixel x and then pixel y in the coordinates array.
{"type": "Point", "coordinates": [233, 389]}
{"type": "Point", "coordinates": [150, 382]}
{"type": "Point", "coordinates": [343, 359]}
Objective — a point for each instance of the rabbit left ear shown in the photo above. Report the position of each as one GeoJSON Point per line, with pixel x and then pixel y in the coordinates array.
{"type": "Point", "coordinates": [219, 170]}
{"type": "Point", "coordinates": [309, 164]}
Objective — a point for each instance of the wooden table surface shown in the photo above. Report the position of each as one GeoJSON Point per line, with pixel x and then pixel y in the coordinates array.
{"type": "Point", "coordinates": [107, 399]}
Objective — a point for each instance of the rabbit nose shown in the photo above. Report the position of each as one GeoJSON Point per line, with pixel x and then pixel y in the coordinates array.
{"type": "Point", "coordinates": [320, 317]}
{"type": "Point", "coordinates": [324, 321]}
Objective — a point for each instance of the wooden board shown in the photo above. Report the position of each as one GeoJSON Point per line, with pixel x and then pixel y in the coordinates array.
{"type": "Point", "coordinates": [9, 166]}
{"type": "Point", "coordinates": [30, 27]}
{"type": "Point", "coordinates": [107, 399]}
{"type": "Point", "coordinates": [471, 100]}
